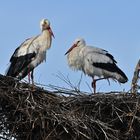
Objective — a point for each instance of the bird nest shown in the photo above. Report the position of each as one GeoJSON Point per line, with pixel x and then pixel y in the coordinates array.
{"type": "Point", "coordinates": [32, 113]}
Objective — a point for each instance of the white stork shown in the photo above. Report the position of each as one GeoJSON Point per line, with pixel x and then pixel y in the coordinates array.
{"type": "Point", "coordinates": [31, 53]}
{"type": "Point", "coordinates": [94, 62]}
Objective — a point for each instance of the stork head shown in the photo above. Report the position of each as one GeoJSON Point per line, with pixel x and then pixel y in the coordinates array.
{"type": "Point", "coordinates": [45, 25]}
{"type": "Point", "coordinates": [79, 42]}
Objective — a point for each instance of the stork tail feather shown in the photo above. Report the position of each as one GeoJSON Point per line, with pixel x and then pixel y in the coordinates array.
{"type": "Point", "coordinates": [117, 73]}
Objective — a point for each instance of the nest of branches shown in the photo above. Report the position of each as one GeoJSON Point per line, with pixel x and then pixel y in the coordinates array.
{"type": "Point", "coordinates": [31, 113]}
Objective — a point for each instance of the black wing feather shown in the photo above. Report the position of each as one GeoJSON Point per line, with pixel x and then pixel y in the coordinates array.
{"type": "Point", "coordinates": [19, 63]}
{"type": "Point", "coordinates": [111, 57]}
{"type": "Point", "coordinates": [111, 67]}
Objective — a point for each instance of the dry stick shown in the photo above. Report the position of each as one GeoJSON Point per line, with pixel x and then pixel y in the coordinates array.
{"type": "Point", "coordinates": [134, 86]}
{"type": "Point", "coordinates": [133, 114]}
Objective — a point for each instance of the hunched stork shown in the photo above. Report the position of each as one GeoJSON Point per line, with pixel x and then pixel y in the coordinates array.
{"type": "Point", "coordinates": [31, 53]}
{"type": "Point", "coordinates": [94, 62]}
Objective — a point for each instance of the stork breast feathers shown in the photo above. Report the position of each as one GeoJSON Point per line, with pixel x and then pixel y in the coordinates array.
{"type": "Point", "coordinates": [75, 60]}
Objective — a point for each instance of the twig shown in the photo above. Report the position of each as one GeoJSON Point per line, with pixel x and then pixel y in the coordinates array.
{"type": "Point", "coordinates": [134, 84]}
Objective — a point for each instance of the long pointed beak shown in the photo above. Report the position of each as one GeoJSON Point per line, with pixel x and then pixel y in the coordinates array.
{"type": "Point", "coordinates": [71, 48]}
{"type": "Point", "coordinates": [51, 32]}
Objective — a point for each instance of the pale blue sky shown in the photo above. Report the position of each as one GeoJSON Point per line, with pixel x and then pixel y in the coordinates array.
{"type": "Point", "coordinates": [113, 25]}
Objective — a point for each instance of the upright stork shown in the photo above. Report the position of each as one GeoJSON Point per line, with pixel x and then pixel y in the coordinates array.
{"type": "Point", "coordinates": [31, 53]}
{"type": "Point", "coordinates": [94, 62]}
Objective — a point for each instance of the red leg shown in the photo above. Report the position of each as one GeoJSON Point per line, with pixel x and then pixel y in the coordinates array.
{"type": "Point", "coordinates": [29, 77]}
{"type": "Point", "coordinates": [93, 84]}
{"type": "Point", "coordinates": [32, 76]}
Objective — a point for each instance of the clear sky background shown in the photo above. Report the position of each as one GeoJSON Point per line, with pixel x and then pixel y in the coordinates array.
{"type": "Point", "coordinates": [113, 25]}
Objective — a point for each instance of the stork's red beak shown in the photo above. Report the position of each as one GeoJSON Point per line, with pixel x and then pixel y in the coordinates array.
{"type": "Point", "coordinates": [71, 48]}
{"type": "Point", "coordinates": [51, 32]}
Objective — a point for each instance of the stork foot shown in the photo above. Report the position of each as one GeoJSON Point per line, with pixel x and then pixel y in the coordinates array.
{"type": "Point", "coordinates": [93, 84]}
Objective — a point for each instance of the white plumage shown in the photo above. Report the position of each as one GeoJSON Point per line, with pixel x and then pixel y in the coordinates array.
{"type": "Point", "coordinates": [31, 52]}
{"type": "Point", "coordinates": [94, 62]}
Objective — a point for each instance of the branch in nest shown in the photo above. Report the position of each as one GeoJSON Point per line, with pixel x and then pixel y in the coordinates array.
{"type": "Point", "coordinates": [134, 84]}
{"type": "Point", "coordinates": [27, 114]}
